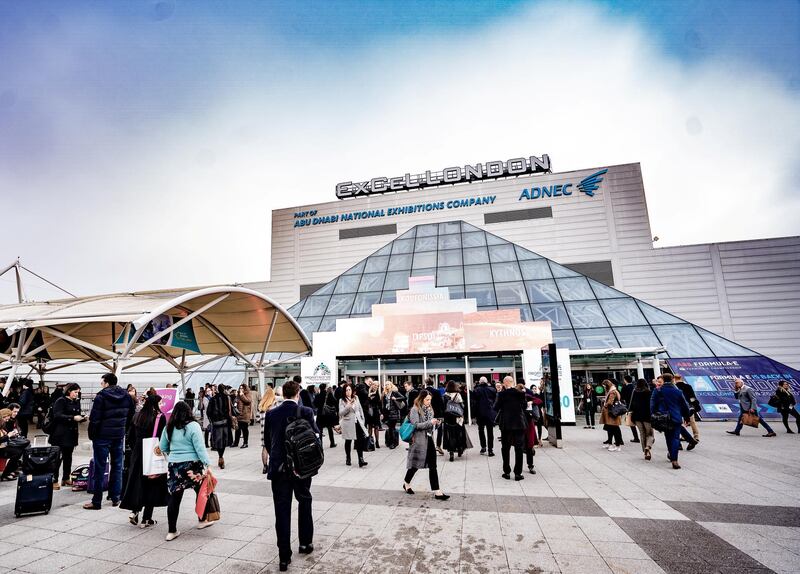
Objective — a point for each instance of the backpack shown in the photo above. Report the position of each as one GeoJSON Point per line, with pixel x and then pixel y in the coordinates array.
{"type": "Point", "coordinates": [304, 455]}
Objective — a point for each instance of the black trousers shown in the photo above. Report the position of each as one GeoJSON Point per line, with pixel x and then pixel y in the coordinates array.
{"type": "Point", "coordinates": [785, 417]}
{"type": "Point", "coordinates": [614, 435]}
{"type": "Point", "coordinates": [589, 413]}
{"type": "Point", "coordinates": [439, 436]}
{"type": "Point", "coordinates": [515, 438]}
{"type": "Point", "coordinates": [173, 509]}
{"type": "Point", "coordinates": [282, 490]}
{"type": "Point", "coordinates": [486, 433]}
{"type": "Point", "coordinates": [243, 432]}
{"type": "Point", "coordinates": [430, 462]}
{"type": "Point", "coordinates": [22, 422]}
{"type": "Point", "coordinates": [529, 454]}
{"type": "Point", "coordinates": [635, 433]}
{"type": "Point", "coordinates": [66, 463]}
{"type": "Point", "coordinates": [392, 438]}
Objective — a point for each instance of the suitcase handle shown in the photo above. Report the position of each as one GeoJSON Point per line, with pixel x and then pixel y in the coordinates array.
{"type": "Point", "coordinates": [39, 436]}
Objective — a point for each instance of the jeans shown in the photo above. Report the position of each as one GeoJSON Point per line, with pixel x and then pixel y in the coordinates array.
{"type": "Point", "coordinates": [486, 433]}
{"type": "Point", "coordinates": [685, 434]}
{"type": "Point", "coordinates": [515, 438]}
{"type": "Point", "coordinates": [102, 449]}
{"type": "Point", "coordinates": [282, 490]}
{"type": "Point", "coordinates": [430, 462]}
{"type": "Point", "coordinates": [739, 424]}
{"type": "Point", "coordinates": [672, 438]}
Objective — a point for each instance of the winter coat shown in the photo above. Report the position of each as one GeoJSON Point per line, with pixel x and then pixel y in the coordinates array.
{"type": "Point", "coordinates": [26, 403]}
{"type": "Point", "coordinates": [393, 405]}
{"type": "Point", "coordinates": [786, 398]}
{"type": "Point", "coordinates": [219, 410]}
{"type": "Point", "coordinates": [65, 427]}
{"type": "Point", "coordinates": [202, 408]}
{"type": "Point", "coordinates": [437, 402]}
{"type": "Point", "coordinates": [589, 400]}
{"type": "Point", "coordinates": [140, 490]}
{"type": "Point", "coordinates": [511, 405]}
{"type": "Point", "coordinates": [484, 398]}
{"type": "Point", "coordinates": [689, 395]}
{"type": "Point", "coordinates": [245, 404]}
{"type": "Point", "coordinates": [626, 393]}
{"type": "Point", "coordinates": [605, 417]}
{"type": "Point", "coordinates": [111, 410]}
{"type": "Point", "coordinates": [349, 416]}
{"type": "Point", "coordinates": [640, 406]}
{"type": "Point", "coordinates": [322, 399]}
{"type": "Point", "coordinates": [669, 399]}
{"type": "Point", "coordinates": [423, 429]}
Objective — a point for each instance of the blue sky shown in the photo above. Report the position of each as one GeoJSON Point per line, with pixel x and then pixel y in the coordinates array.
{"type": "Point", "coordinates": [109, 109]}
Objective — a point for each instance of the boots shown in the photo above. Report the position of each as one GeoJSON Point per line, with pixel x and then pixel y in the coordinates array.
{"type": "Point", "coordinates": [361, 462]}
{"type": "Point", "coordinates": [347, 460]}
{"type": "Point", "coordinates": [221, 462]}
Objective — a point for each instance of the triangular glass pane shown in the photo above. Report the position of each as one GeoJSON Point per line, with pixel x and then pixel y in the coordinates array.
{"type": "Point", "coordinates": [326, 289]}
{"type": "Point", "coordinates": [449, 227]}
{"type": "Point", "coordinates": [466, 227]}
{"type": "Point", "coordinates": [385, 250]}
{"type": "Point", "coordinates": [410, 234]}
{"type": "Point", "coordinates": [535, 269]}
{"type": "Point", "coordinates": [561, 271]}
{"type": "Point", "coordinates": [499, 253]}
{"type": "Point", "coordinates": [523, 253]}
{"type": "Point", "coordinates": [656, 316]}
{"type": "Point", "coordinates": [494, 240]}
{"type": "Point", "coordinates": [604, 291]}
{"type": "Point", "coordinates": [295, 309]}
{"type": "Point", "coordinates": [315, 306]}
{"type": "Point", "coordinates": [356, 269]}
{"type": "Point", "coordinates": [723, 347]}
{"type": "Point", "coordinates": [474, 239]}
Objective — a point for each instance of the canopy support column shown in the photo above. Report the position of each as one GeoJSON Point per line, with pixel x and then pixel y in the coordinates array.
{"type": "Point", "coordinates": [424, 370]}
{"type": "Point", "coordinates": [15, 359]}
{"type": "Point", "coordinates": [262, 376]}
{"type": "Point", "coordinates": [468, 380]}
{"type": "Point", "coordinates": [639, 367]}
{"type": "Point", "coordinates": [656, 367]}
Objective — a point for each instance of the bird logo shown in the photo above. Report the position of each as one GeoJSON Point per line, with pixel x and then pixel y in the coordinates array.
{"type": "Point", "coordinates": [589, 185]}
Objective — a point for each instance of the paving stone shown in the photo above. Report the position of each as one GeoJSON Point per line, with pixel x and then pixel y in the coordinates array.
{"type": "Point", "coordinates": [55, 562]}
{"type": "Point", "coordinates": [196, 563]}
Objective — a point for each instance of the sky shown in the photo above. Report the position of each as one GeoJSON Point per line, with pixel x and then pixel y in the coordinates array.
{"type": "Point", "coordinates": [143, 144]}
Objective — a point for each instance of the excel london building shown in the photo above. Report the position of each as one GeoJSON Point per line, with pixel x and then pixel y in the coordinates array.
{"type": "Point", "coordinates": [574, 249]}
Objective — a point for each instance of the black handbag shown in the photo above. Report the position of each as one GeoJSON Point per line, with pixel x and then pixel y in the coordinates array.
{"type": "Point", "coordinates": [661, 422]}
{"type": "Point", "coordinates": [370, 444]}
{"type": "Point", "coordinates": [617, 409]}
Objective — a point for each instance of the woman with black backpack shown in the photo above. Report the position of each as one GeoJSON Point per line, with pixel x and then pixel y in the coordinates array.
{"type": "Point", "coordinates": [144, 492]}
{"type": "Point", "coordinates": [62, 427]}
{"type": "Point", "coordinates": [392, 409]}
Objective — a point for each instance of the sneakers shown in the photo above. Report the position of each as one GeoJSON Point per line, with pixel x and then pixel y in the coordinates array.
{"type": "Point", "coordinates": [172, 536]}
{"type": "Point", "coordinates": [614, 448]}
{"type": "Point", "coordinates": [491, 453]}
{"type": "Point", "coordinates": [204, 524]}
{"type": "Point", "coordinates": [732, 432]}
{"type": "Point", "coordinates": [483, 450]}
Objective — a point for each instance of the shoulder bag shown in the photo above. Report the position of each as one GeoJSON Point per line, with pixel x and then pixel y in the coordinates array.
{"type": "Point", "coordinates": [153, 464]}
{"type": "Point", "coordinates": [406, 430]}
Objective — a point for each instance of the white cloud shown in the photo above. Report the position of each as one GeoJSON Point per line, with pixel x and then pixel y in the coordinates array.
{"type": "Point", "coordinates": [188, 202]}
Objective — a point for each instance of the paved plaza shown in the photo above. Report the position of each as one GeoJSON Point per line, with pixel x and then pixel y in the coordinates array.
{"type": "Point", "coordinates": [733, 508]}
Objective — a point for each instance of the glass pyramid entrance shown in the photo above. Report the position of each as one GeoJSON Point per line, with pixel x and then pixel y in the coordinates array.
{"type": "Point", "coordinates": [474, 263]}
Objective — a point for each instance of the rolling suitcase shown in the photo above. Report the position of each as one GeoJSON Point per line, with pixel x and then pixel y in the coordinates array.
{"type": "Point", "coordinates": [39, 460]}
{"type": "Point", "coordinates": [34, 494]}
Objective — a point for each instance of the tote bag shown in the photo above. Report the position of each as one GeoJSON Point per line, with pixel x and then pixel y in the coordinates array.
{"type": "Point", "coordinates": [152, 464]}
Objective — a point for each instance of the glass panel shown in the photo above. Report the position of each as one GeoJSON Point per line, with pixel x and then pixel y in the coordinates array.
{"type": "Point", "coordinates": [347, 284]}
{"type": "Point", "coordinates": [327, 289]}
{"type": "Point", "coordinates": [450, 227]}
{"type": "Point", "coordinates": [329, 323]}
{"type": "Point", "coordinates": [494, 240]}
{"type": "Point", "coordinates": [506, 271]}
{"type": "Point", "coordinates": [372, 281]}
{"type": "Point", "coordinates": [315, 305]}
{"type": "Point", "coordinates": [723, 347]}
{"type": "Point", "coordinates": [427, 230]}
{"type": "Point", "coordinates": [682, 341]}
{"type": "Point", "coordinates": [450, 241]}
{"type": "Point", "coordinates": [561, 271]}
{"type": "Point", "coordinates": [295, 309]}
{"type": "Point", "coordinates": [411, 233]}
{"type": "Point", "coordinates": [566, 339]}
{"type": "Point", "coordinates": [365, 301]}
{"type": "Point", "coordinates": [586, 314]}
{"type": "Point", "coordinates": [356, 269]}
{"type": "Point", "coordinates": [487, 308]}
{"type": "Point", "coordinates": [477, 274]}
{"type": "Point", "coordinates": [535, 269]}
{"type": "Point", "coordinates": [476, 255]}
{"type": "Point", "coordinates": [456, 291]}
{"type": "Point", "coordinates": [385, 250]}
{"type": "Point", "coordinates": [425, 244]}
{"type": "Point", "coordinates": [525, 254]}
{"type": "Point", "coordinates": [483, 294]}
{"type": "Point", "coordinates": [553, 312]}
{"type": "Point", "coordinates": [376, 264]}
{"type": "Point", "coordinates": [642, 336]}
{"type": "Point", "coordinates": [396, 280]}
{"type": "Point", "coordinates": [524, 311]}
{"type": "Point", "coordinates": [575, 289]}
{"type": "Point", "coordinates": [426, 259]}
{"type": "Point", "coordinates": [450, 257]}
{"type": "Point", "coordinates": [542, 291]}
{"type": "Point", "coordinates": [403, 246]}
{"type": "Point", "coordinates": [340, 304]}
{"type": "Point", "coordinates": [398, 262]}
{"type": "Point", "coordinates": [510, 293]}
{"type": "Point", "coordinates": [604, 291]}
{"type": "Point", "coordinates": [449, 276]}
{"type": "Point", "coordinates": [622, 312]}
{"type": "Point", "coordinates": [596, 339]}
{"type": "Point", "coordinates": [468, 227]}
{"type": "Point", "coordinates": [389, 297]}
{"type": "Point", "coordinates": [498, 253]}
{"type": "Point", "coordinates": [657, 316]}
{"type": "Point", "coordinates": [474, 239]}
{"type": "Point", "coordinates": [424, 272]}
{"type": "Point", "coordinates": [309, 324]}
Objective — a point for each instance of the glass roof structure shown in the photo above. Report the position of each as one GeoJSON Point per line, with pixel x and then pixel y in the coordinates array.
{"type": "Point", "coordinates": [473, 263]}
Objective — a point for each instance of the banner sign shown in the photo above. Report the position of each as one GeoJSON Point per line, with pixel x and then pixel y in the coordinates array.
{"type": "Point", "coordinates": [318, 371]}
{"type": "Point", "coordinates": [565, 386]}
{"type": "Point", "coordinates": [168, 399]}
{"type": "Point", "coordinates": [181, 338]}
{"type": "Point", "coordinates": [712, 381]}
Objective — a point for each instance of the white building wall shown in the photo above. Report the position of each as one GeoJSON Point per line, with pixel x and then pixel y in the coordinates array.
{"type": "Point", "coordinates": [747, 291]}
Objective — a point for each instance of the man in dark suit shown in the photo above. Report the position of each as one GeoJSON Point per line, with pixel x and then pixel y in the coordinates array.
{"type": "Point", "coordinates": [284, 483]}
{"type": "Point", "coordinates": [437, 404]}
{"type": "Point", "coordinates": [485, 397]}
{"type": "Point", "coordinates": [626, 394]}
{"type": "Point", "coordinates": [511, 406]}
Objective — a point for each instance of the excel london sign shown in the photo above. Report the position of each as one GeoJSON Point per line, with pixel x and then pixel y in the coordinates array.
{"type": "Point", "coordinates": [449, 175]}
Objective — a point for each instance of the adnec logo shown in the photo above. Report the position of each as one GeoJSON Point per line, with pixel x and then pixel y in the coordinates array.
{"type": "Point", "coordinates": [322, 369]}
{"type": "Point", "coordinates": [587, 185]}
